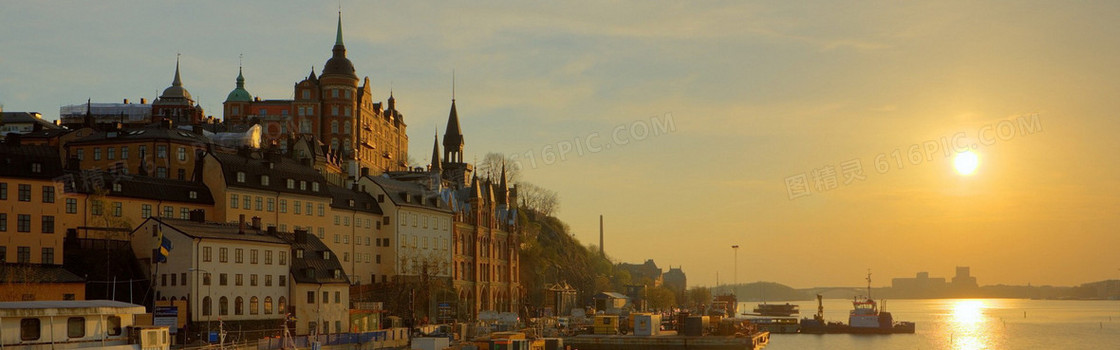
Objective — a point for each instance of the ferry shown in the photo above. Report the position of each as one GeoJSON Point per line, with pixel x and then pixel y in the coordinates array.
{"type": "Point", "coordinates": [865, 318]}
{"type": "Point", "coordinates": [77, 324]}
{"type": "Point", "coordinates": [776, 318]}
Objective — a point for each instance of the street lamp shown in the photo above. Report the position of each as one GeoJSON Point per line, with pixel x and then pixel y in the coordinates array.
{"type": "Point", "coordinates": [209, 315]}
{"type": "Point", "coordinates": [735, 279]}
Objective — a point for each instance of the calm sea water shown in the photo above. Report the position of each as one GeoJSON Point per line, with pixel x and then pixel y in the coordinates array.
{"type": "Point", "coordinates": [971, 324]}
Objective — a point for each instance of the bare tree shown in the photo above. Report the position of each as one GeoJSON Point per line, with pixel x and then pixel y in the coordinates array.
{"type": "Point", "coordinates": [492, 164]}
{"type": "Point", "coordinates": [539, 199]}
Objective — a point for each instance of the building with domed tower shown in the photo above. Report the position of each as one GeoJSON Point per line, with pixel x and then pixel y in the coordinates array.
{"type": "Point", "coordinates": [176, 104]}
{"type": "Point", "coordinates": [335, 108]}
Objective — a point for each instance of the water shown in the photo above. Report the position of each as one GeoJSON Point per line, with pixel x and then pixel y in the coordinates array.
{"type": "Point", "coordinates": [969, 324]}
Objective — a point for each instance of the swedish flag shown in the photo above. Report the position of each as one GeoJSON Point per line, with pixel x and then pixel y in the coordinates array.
{"type": "Point", "coordinates": [164, 246]}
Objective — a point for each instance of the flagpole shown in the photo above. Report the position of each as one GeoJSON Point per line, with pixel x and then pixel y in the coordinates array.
{"type": "Point", "coordinates": [155, 261]}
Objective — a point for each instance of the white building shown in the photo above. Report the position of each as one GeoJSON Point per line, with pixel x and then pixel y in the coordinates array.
{"type": "Point", "coordinates": [416, 225]}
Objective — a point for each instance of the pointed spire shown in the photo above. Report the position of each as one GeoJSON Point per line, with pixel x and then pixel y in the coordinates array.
{"type": "Point", "coordinates": [240, 79]}
{"type": "Point", "coordinates": [435, 155]}
{"type": "Point", "coordinates": [177, 81]}
{"type": "Point", "coordinates": [338, 36]}
{"type": "Point", "coordinates": [476, 192]}
{"type": "Point", "coordinates": [453, 136]}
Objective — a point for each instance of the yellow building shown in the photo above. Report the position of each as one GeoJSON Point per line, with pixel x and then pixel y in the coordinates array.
{"type": "Point", "coordinates": [354, 234]}
{"type": "Point", "coordinates": [320, 290]}
{"type": "Point", "coordinates": [160, 151]}
{"type": "Point", "coordinates": [30, 232]}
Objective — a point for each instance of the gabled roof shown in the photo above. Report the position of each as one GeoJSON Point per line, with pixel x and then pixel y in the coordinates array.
{"type": "Point", "coordinates": [341, 198]}
{"type": "Point", "coordinates": [19, 161]}
{"type": "Point", "coordinates": [410, 194]}
{"type": "Point", "coordinates": [313, 267]}
{"type": "Point", "coordinates": [25, 118]}
{"type": "Point", "coordinates": [215, 230]}
{"type": "Point", "coordinates": [278, 168]}
{"type": "Point", "coordinates": [16, 273]}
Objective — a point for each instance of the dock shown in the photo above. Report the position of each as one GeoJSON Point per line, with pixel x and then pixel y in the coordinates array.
{"type": "Point", "coordinates": [668, 342]}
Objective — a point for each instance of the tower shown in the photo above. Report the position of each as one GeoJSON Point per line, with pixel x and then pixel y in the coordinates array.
{"type": "Point", "coordinates": [237, 102]}
{"type": "Point", "coordinates": [176, 103]}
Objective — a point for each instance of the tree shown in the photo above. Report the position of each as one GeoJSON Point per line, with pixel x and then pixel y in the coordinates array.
{"type": "Point", "coordinates": [492, 164]}
{"type": "Point", "coordinates": [698, 296]}
{"type": "Point", "coordinates": [539, 199]}
{"type": "Point", "coordinates": [661, 298]}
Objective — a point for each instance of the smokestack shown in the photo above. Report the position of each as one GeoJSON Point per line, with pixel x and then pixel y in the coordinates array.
{"type": "Point", "coordinates": [602, 252]}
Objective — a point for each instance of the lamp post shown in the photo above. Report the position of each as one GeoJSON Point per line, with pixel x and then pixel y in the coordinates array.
{"type": "Point", "coordinates": [209, 315]}
{"type": "Point", "coordinates": [735, 279]}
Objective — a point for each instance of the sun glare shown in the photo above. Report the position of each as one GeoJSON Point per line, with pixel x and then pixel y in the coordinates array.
{"type": "Point", "coordinates": [966, 162]}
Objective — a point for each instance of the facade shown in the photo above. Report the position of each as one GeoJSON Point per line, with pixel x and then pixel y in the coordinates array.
{"type": "Point", "coordinates": [161, 151]}
{"type": "Point", "coordinates": [646, 273]}
{"type": "Point", "coordinates": [176, 104]}
{"type": "Point", "coordinates": [355, 234]}
{"type": "Point", "coordinates": [233, 272]}
{"type": "Point", "coordinates": [675, 280]}
{"type": "Point", "coordinates": [320, 289]}
{"type": "Point", "coordinates": [334, 108]}
{"type": "Point", "coordinates": [416, 227]}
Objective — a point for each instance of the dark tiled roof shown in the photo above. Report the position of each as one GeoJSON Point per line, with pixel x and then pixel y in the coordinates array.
{"type": "Point", "coordinates": [19, 161]}
{"type": "Point", "coordinates": [313, 267]}
{"type": "Point", "coordinates": [151, 132]}
{"type": "Point", "coordinates": [25, 117]}
{"type": "Point", "coordinates": [410, 194]}
{"type": "Point", "coordinates": [216, 230]}
{"type": "Point", "coordinates": [341, 198]}
{"type": "Point", "coordinates": [17, 273]}
{"type": "Point", "coordinates": [279, 170]}
{"type": "Point", "coordinates": [133, 186]}
{"type": "Point", "coordinates": [46, 133]}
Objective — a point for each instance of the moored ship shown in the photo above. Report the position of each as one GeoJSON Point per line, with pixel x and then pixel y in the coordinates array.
{"type": "Point", "coordinates": [865, 318]}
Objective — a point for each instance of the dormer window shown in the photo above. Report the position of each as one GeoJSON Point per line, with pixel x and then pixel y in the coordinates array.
{"type": "Point", "coordinates": [36, 167]}
{"type": "Point", "coordinates": [264, 180]}
{"type": "Point", "coordinates": [315, 186]}
{"type": "Point", "coordinates": [116, 187]}
{"type": "Point", "coordinates": [351, 203]}
{"type": "Point", "coordinates": [194, 194]}
{"type": "Point", "coordinates": [303, 185]}
{"type": "Point", "coordinates": [326, 255]}
{"type": "Point", "coordinates": [241, 177]}
{"type": "Point", "coordinates": [337, 273]}
{"type": "Point", "coordinates": [299, 254]}
{"type": "Point", "coordinates": [291, 184]}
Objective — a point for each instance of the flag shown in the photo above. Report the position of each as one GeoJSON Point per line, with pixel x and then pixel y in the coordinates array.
{"type": "Point", "coordinates": [164, 246]}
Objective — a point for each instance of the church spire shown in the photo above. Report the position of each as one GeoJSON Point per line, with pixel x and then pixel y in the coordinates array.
{"type": "Point", "coordinates": [435, 155]}
{"type": "Point", "coordinates": [338, 35]}
{"type": "Point", "coordinates": [177, 81]}
{"type": "Point", "coordinates": [453, 137]}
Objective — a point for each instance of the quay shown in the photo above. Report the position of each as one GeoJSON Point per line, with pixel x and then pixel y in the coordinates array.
{"type": "Point", "coordinates": [668, 342]}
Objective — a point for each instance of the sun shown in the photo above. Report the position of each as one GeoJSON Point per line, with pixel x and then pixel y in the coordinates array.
{"type": "Point", "coordinates": [966, 162]}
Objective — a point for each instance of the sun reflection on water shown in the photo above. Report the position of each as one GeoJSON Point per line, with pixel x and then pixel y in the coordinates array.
{"type": "Point", "coordinates": [969, 326]}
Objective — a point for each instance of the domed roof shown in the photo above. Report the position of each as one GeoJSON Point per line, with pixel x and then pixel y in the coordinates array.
{"type": "Point", "coordinates": [176, 91]}
{"type": "Point", "coordinates": [338, 63]}
{"type": "Point", "coordinates": [239, 94]}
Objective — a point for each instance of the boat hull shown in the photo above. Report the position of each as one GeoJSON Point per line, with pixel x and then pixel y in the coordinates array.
{"type": "Point", "coordinates": [809, 326]}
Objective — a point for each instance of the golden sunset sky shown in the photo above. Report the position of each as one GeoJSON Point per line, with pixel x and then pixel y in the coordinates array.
{"type": "Point", "coordinates": [749, 96]}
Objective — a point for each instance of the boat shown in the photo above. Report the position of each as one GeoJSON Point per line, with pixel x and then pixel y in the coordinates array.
{"type": "Point", "coordinates": [786, 309]}
{"type": "Point", "coordinates": [865, 318]}
{"type": "Point", "coordinates": [724, 305]}
{"type": "Point", "coordinates": [775, 318]}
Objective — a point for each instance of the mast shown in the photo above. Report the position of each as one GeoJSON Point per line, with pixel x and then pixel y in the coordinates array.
{"type": "Point", "coordinates": [868, 284]}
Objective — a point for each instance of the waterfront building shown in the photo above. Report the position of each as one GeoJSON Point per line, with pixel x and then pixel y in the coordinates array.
{"type": "Point", "coordinates": [645, 273]}
{"type": "Point", "coordinates": [416, 226]}
{"type": "Point", "coordinates": [963, 280]}
{"type": "Point", "coordinates": [331, 107]}
{"type": "Point", "coordinates": [355, 226]}
{"type": "Point", "coordinates": [320, 289]}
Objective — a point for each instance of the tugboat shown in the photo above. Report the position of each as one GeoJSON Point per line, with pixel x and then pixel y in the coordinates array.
{"type": "Point", "coordinates": [865, 318]}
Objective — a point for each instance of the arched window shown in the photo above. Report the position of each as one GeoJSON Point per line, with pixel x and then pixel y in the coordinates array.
{"type": "Point", "coordinates": [254, 306]}
{"type": "Point", "coordinates": [223, 306]}
{"type": "Point", "coordinates": [239, 306]}
{"type": "Point", "coordinates": [281, 305]}
{"type": "Point", "coordinates": [346, 128]}
{"type": "Point", "coordinates": [267, 305]}
{"type": "Point", "coordinates": [334, 126]}
{"type": "Point", "coordinates": [206, 306]}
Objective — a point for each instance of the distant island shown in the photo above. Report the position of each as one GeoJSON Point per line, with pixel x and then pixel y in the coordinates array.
{"type": "Point", "coordinates": [771, 291]}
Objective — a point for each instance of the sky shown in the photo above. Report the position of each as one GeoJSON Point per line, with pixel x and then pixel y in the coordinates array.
{"type": "Point", "coordinates": [818, 137]}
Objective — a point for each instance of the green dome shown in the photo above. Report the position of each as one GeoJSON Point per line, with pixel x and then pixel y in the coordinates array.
{"type": "Point", "coordinates": [239, 94]}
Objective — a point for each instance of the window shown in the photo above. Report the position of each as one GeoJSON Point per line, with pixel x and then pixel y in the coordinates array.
{"type": "Point", "coordinates": [240, 176]}
{"type": "Point", "coordinates": [184, 213]}
{"type": "Point", "coordinates": [48, 256]}
{"type": "Point", "coordinates": [115, 321]}
{"type": "Point", "coordinates": [264, 180]}
{"type": "Point", "coordinates": [253, 280]}
{"type": "Point", "coordinates": [206, 254]}
{"type": "Point", "coordinates": [223, 279]}
{"type": "Point", "coordinates": [283, 282]}
{"type": "Point", "coordinates": [337, 219]}
{"type": "Point", "coordinates": [81, 154]}
{"type": "Point", "coordinates": [337, 294]}
{"type": "Point", "coordinates": [238, 280]}
{"type": "Point", "coordinates": [326, 297]}
{"type": "Point", "coordinates": [23, 222]}
{"type": "Point", "coordinates": [296, 207]}
{"type": "Point", "coordinates": [247, 203]}
{"type": "Point", "coordinates": [111, 153]}
{"type": "Point", "coordinates": [283, 207]}
{"type": "Point", "coordinates": [223, 254]}
{"type": "Point", "coordinates": [124, 152]}
{"type": "Point", "coordinates": [3, 191]}
{"type": "Point", "coordinates": [311, 327]}
{"type": "Point", "coordinates": [233, 201]}
{"type": "Point", "coordinates": [268, 257]}
{"type": "Point", "coordinates": [346, 127]}
{"type": "Point", "coordinates": [181, 174]}
{"type": "Point", "coordinates": [238, 255]}
{"type": "Point", "coordinates": [71, 205]}
{"type": "Point", "coordinates": [97, 154]}
{"type": "Point", "coordinates": [267, 305]}
{"type": "Point", "coordinates": [309, 208]}
{"type": "Point", "coordinates": [29, 329]}
{"type": "Point", "coordinates": [206, 306]}
{"type": "Point", "coordinates": [48, 194]}
{"type": "Point", "coordinates": [143, 150]}
{"type": "Point", "coordinates": [311, 297]}
{"type": "Point", "coordinates": [145, 210]}
{"type": "Point", "coordinates": [268, 280]}
{"type": "Point", "coordinates": [321, 212]}
{"type": "Point", "coordinates": [169, 212]}
{"type": "Point", "coordinates": [161, 172]}
{"type": "Point", "coordinates": [283, 258]}
{"type": "Point", "coordinates": [161, 151]}
{"type": "Point", "coordinates": [48, 223]}
{"type": "Point", "coordinates": [334, 123]}
{"type": "Point", "coordinates": [291, 184]}
{"type": "Point", "coordinates": [252, 256]}
{"type": "Point", "coordinates": [24, 193]}
{"type": "Point", "coordinates": [206, 278]}
{"type": "Point", "coordinates": [194, 194]}
{"type": "Point", "coordinates": [271, 205]}
{"type": "Point", "coordinates": [3, 254]}
{"type": "Point", "coordinates": [23, 255]}
{"type": "Point", "coordinates": [254, 305]}
{"type": "Point", "coordinates": [258, 201]}
{"type": "Point", "coordinates": [223, 306]}
{"type": "Point", "coordinates": [182, 154]}
{"type": "Point", "coordinates": [117, 209]}
{"type": "Point", "coordinates": [315, 187]}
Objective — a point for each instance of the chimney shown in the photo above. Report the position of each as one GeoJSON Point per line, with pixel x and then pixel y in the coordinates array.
{"type": "Point", "coordinates": [272, 230]}
{"type": "Point", "coordinates": [301, 236]}
{"type": "Point", "coordinates": [241, 224]}
{"type": "Point", "coordinates": [257, 223]}
{"type": "Point", "coordinates": [143, 101]}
